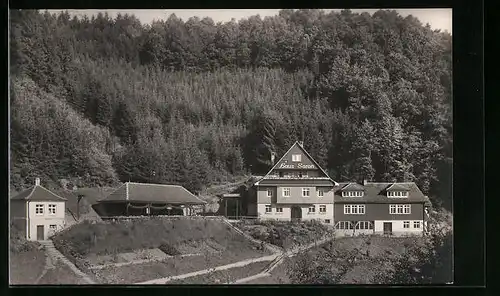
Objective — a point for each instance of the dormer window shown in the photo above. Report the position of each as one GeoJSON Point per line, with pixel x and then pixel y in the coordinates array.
{"type": "Point", "coordinates": [352, 193]}
{"type": "Point", "coordinates": [296, 157]}
{"type": "Point", "coordinates": [397, 194]}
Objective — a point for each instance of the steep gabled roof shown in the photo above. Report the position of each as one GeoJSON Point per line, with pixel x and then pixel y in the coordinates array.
{"type": "Point", "coordinates": [398, 187]}
{"type": "Point", "coordinates": [377, 193]}
{"type": "Point", "coordinates": [297, 144]}
{"type": "Point", "coordinates": [152, 193]}
{"type": "Point", "coordinates": [353, 187]}
{"type": "Point", "coordinates": [38, 193]}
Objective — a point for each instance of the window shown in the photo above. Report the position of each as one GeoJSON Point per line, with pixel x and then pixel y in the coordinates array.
{"type": "Point", "coordinates": [296, 157]}
{"type": "Point", "coordinates": [279, 210]}
{"type": "Point", "coordinates": [302, 174]}
{"type": "Point", "coordinates": [344, 225]}
{"type": "Point", "coordinates": [53, 227]}
{"type": "Point", "coordinates": [286, 192]}
{"type": "Point", "coordinates": [397, 194]}
{"type": "Point", "coordinates": [399, 209]}
{"type": "Point", "coordinates": [321, 193]}
{"type": "Point", "coordinates": [281, 174]}
{"type": "Point", "coordinates": [363, 225]}
{"type": "Point", "coordinates": [416, 224]}
{"type": "Point", "coordinates": [327, 221]}
{"type": "Point", "coordinates": [406, 224]}
{"type": "Point", "coordinates": [322, 208]}
{"type": "Point", "coordinates": [52, 209]}
{"type": "Point", "coordinates": [305, 192]}
{"type": "Point", "coordinates": [268, 208]}
{"type": "Point", "coordinates": [312, 209]}
{"type": "Point", "coordinates": [352, 193]}
{"type": "Point", "coordinates": [269, 192]}
{"type": "Point", "coordinates": [354, 209]}
{"type": "Point", "coordinates": [39, 209]}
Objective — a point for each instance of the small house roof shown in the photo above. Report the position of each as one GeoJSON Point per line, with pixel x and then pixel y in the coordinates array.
{"type": "Point", "coordinates": [152, 193]}
{"type": "Point", "coordinates": [38, 193]}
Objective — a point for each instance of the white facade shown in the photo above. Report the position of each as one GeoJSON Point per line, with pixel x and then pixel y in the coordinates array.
{"type": "Point", "coordinates": [285, 215]}
{"type": "Point", "coordinates": [46, 216]}
{"type": "Point", "coordinates": [398, 226]}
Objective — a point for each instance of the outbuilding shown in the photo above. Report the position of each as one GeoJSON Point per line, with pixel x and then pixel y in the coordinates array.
{"type": "Point", "coordinates": [144, 199]}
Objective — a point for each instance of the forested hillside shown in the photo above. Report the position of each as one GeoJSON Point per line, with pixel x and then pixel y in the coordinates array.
{"type": "Point", "coordinates": [101, 100]}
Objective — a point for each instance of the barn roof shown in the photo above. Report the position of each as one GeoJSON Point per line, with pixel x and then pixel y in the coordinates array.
{"type": "Point", "coordinates": [152, 193]}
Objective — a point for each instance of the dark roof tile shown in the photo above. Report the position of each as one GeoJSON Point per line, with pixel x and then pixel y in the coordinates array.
{"type": "Point", "coordinates": [153, 193]}
{"type": "Point", "coordinates": [376, 193]}
{"type": "Point", "coordinates": [38, 193]}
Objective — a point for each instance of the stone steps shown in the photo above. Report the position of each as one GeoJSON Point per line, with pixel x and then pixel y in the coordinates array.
{"type": "Point", "coordinates": [56, 255]}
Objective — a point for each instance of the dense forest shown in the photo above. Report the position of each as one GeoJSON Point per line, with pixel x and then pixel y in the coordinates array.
{"type": "Point", "coordinates": [100, 100]}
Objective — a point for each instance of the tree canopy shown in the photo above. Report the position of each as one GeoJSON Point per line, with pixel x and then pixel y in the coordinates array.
{"type": "Point", "coordinates": [193, 102]}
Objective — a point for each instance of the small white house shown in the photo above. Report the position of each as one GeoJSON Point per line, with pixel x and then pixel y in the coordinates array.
{"type": "Point", "coordinates": [38, 212]}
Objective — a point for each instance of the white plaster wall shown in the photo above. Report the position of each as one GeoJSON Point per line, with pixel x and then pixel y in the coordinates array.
{"type": "Point", "coordinates": [45, 219]}
{"type": "Point", "coordinates": [286, 214]}
{"type": "Point", "coordinates": [317, 215]}
{"type": "Point", "coordinates": [397, 227]}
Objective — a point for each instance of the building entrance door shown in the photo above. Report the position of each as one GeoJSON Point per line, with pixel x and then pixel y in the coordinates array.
{"type": "Point", "coordinates": [388, 228]}
{"type": "Point", "coordinates": [40, 232]}
{"type": "Point", "coordinates": [296, 213]}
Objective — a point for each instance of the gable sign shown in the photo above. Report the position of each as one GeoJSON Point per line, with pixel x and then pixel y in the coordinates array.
{"type": "Point", "coordinates": [291, 165]}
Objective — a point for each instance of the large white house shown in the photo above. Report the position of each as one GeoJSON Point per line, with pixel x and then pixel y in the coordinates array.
{"type": "Point", "coordinates": [296, 187]}
{"type": "Point", "coordinates": [38, 212]}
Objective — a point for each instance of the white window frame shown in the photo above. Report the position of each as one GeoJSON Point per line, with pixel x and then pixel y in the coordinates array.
{"type": "Point", "coordinates": [296, 157]}
{"type": "Point", "coordinates": [406, 224]}
{"type": "Point", "coordinates": [400, 209]}
{"type": "Point", "coordinates": [268, 209]}
{"type": "Point", "coordinates": [364, 225]}
{"type": "Point", "coordinates": [287, 190]}
{"type": "Point", "coordinates": [322, 209]}
{"type": "Point", "coordinates": [321, 192]}
{"type": "Point", "coordinates": [417, 223]}
{"type": "Point", "coordinates": [269, 192]}
{"type": "Point", "coordinates": [397, 194]}
{"type": "Point", "coordinates": [52, 209]}
{"type": "Point", "coordinates": [354, 209]}
{"type": "Point", "coordinates": [345, 225]}
{"type": "Point", "coordinates": [352, 193]}
{"type": "Point", "coordinates": [279, 210]}
{"type": "Point", "coordinates": [53, 228]}
{"type": "Point", "coordinates": [306, 189]}
{"type": "Point", "coordinates": [313, 208]}
{"type": "Point", "coordinates": [39, 209]}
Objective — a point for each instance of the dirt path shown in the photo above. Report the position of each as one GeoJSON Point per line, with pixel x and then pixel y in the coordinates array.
{"type": "Point", "coordinates": [49, 264]}
{"type": "Point", "coordinates": [209, 270]}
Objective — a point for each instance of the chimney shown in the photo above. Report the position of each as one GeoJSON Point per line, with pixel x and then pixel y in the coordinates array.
{"type": "Point", "coordinates": [37, 181]}
{"type": "Point", "coordinates": [365, 182]}
{"type": "Point", "coordinates": [273, 155]}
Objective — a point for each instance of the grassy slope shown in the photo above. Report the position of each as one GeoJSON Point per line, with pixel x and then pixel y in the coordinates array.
{"type": "Point", "coordinates": [362, 271]}
{"type": "Point", "coordinates": [27, 261]}
{"type": "Point", "coordinates": [285, 234]}
{"type": "Point", "coordinates": [112, 238]}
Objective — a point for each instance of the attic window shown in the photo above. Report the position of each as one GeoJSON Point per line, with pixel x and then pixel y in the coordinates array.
{"type": "Point", "coordinates": [352, 194]}
{"type": "Point", "coordinates": [296, 157]}
{"type": "Point", "coordinates": [397, 194]}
